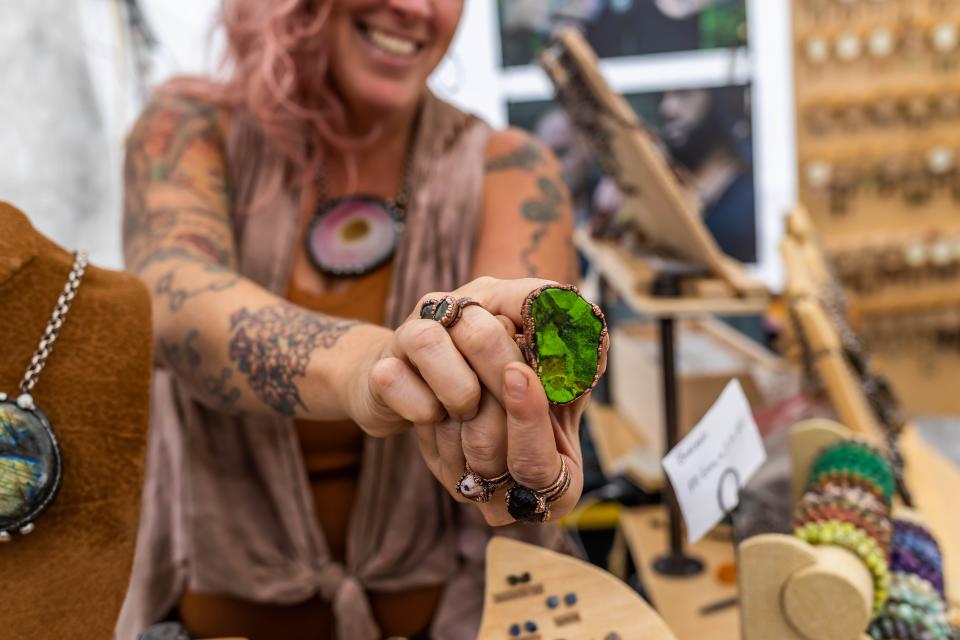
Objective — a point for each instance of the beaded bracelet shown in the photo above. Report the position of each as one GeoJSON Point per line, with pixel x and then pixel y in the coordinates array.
{"type": "Point", "coordinates": [842, 479]}
{"type": "Point", "coordinates": [855, 495]}
{"type": "Point", "coordinates": [915, 551]}
{"type": "Point", "coordinates": [856, 458]}
{"type": "Point", "coordinates": [913, 610]}
{"type": "Point", "coordinates": [917, 592]}
{"type": "Point", "coordinates": [873, 508]}
{"type": "Point", "coordinates": [878, 528]}
{"type": "Point", "coordinates": [914, 530]}
{"type": "Point", "coordinates": [847, 479]}
{"type": "Point", "coordinates": [844, 534]}
{"type": "Point", "coordinates": [866, 463]}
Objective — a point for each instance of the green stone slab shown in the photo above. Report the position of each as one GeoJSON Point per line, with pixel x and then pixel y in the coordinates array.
{"type": "Point", "coordinates": [567, 337]}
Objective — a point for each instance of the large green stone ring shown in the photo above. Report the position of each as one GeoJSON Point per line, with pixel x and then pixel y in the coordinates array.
{"type": "Point", "coordinates": [563, 339]}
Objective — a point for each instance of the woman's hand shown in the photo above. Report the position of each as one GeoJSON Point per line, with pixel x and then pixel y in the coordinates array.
{"type": "Point", "coordinates": [474, 400]}
{"type": "Point", "coordinates": [417, 374]}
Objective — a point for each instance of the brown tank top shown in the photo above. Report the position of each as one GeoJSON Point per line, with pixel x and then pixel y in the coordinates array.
{"type": "Point", "coordinates": [332, 454]}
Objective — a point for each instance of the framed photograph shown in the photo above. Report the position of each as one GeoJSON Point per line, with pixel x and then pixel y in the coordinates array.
{"type": "Point", "coordinates": [616, 28]}
{"type": "Point", "coordinates": [706, 133]}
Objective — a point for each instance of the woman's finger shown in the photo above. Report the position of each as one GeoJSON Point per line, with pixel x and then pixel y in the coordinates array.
{"type": "Point", "coordinates": [452, 461]}
{"type": "Point", "coordinates": [531, 446]}
{"type": "Point", "coordinates": [401, 389]}
{"type": "Point", "coordinates": [508, 326]}
{"type": "Point", "coordinates": [427, 441]}
{"type": "Point", "coordinates": [484, 439]}
{"type": "Point", "coordinates": [532, 452]}
{"type": "Point", "coordinates": [487, 347]}
{"type": "Point", "coordinates": [428, 347]}
{"type": "Point", "coordinates": [502, 297]}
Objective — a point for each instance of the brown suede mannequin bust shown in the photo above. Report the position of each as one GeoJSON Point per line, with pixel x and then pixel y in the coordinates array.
{"type": "Point", "coordinates": [67, 579]}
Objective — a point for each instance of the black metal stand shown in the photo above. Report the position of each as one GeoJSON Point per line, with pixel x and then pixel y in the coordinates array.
{"type": "Point", "coordinates": [675, 562]}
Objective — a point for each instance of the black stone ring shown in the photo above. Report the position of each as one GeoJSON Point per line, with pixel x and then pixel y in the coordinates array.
{"type": "Point", "coordinates": [447, 310]}
{"type": "Point", "coordinates": [533, 505]}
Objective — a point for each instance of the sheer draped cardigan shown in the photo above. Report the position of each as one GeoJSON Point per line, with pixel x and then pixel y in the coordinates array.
{"type": "Point", "coordinates": [227, 506]}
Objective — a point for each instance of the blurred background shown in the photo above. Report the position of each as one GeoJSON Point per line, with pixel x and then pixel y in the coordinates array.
{"type": "Point", "coordinates": [75, 74]}
{"type": "Point", "coordinates": [848, 107]}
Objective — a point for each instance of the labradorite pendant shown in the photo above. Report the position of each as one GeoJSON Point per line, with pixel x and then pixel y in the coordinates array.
{"type": "Point", "coordinates": [30, 464]}
{"type": "Point", "coordinates": [563, 336]}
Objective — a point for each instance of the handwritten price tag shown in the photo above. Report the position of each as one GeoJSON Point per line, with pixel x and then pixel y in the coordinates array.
{"type": "Point", "coordinates": [710, 466]}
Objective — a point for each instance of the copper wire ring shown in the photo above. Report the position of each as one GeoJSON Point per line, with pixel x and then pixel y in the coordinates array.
{"type": "Point", "coordinates": [483, 488]}
{"type": "Point", "coordinates": [447, 310]}
{"type": "Point", "coordinates": [537, 501]}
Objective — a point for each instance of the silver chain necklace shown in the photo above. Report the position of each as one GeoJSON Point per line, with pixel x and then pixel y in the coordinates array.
{"type": "Point", "coordinates": [30, 459]}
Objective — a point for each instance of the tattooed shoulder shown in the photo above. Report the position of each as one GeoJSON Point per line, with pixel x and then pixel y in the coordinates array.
{"type": "Point", "coordinates": [175, 191]}
{"type": "Point", "coordinates": [527, 157]}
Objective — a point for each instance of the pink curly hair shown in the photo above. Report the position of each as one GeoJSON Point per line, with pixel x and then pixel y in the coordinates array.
{"type": "Point", "coordinates": [279, 72]}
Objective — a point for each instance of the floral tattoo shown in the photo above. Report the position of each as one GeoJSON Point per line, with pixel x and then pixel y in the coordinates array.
{"type": "Point", "coordinates": [272, 347]}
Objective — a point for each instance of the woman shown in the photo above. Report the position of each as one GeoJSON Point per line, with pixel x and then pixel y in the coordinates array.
{"type": "Point", "coordinates": [297, 445]}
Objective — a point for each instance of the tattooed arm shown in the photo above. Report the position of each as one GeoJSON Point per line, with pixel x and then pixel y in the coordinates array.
{"type": "Point", "coordinates": [527, 224]}
{"type": "Point", "coordinates": [237, 346]}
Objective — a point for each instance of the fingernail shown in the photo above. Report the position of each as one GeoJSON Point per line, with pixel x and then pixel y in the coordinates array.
{"type": "Point", "coordinates": [516, 383]}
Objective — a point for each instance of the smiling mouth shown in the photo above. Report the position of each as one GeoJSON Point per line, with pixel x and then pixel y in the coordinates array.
{"type": "Point", "coordinates": [389, 43]}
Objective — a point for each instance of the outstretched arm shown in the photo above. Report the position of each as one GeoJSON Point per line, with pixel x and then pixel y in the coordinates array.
{"type": "Point", "coordinates": [236, 345]}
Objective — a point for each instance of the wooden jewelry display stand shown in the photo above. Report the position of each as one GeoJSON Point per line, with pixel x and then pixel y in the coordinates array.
{"type": "Point", "coordinates": [680, 271]}
{"type": "Point", "coordinates": [792, 590]}
{"type": "Point", "coordinates": [932, 479]}
{"type": "Point", "coordinates": [878, 140]}
{"type": "Point", "coordinates": [547, 595]}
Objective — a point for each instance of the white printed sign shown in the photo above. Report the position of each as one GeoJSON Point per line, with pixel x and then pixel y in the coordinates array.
{"type": "Point", "coordinates": [713, 462]}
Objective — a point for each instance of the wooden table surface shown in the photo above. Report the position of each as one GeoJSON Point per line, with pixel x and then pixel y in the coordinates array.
{"type": "Point", "coordinates": [679, 600]}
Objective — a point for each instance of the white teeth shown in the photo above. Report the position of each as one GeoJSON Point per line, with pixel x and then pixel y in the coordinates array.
{"type": "Point", "coordinates": [392, 44]}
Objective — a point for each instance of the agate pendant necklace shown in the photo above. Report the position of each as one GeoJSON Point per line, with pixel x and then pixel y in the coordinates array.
{"type": "Point", "coordinates": [355, 234]}
{"type": "Point", "coordinates": [30, 460]}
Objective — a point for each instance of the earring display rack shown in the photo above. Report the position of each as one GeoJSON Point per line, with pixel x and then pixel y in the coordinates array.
{"type": "Point", "coordinates": [878, 142]}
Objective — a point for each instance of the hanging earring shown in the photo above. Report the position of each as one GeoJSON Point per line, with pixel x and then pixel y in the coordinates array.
{"type": "Point", "coordinates": [890, 175]}
{"type": "Point", "coordinates": [853, 117]}
{"type": "Point", "coordinates": [944, 40]}
{"type": "Point", "coordinates": [842, 186]}
{"type": "Point", "coordinates": [818, 174]}
{"type": "Point", "coordinates": [817, 50]}
{"type": "Point", "coordinates": [848, 47]}
{"type": "Point", "coordinates": [885, 111]}
{"type": "Point", "coordinates": [917, 111]}
{"type": "Point", "coordinates": [941, 162]}
{"type": "Point", "coordinates": [881, 43]}
{"type": "Point", "coordinates": [819, 120]}
{"type": "Point", "coordinates": [948, 105]}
